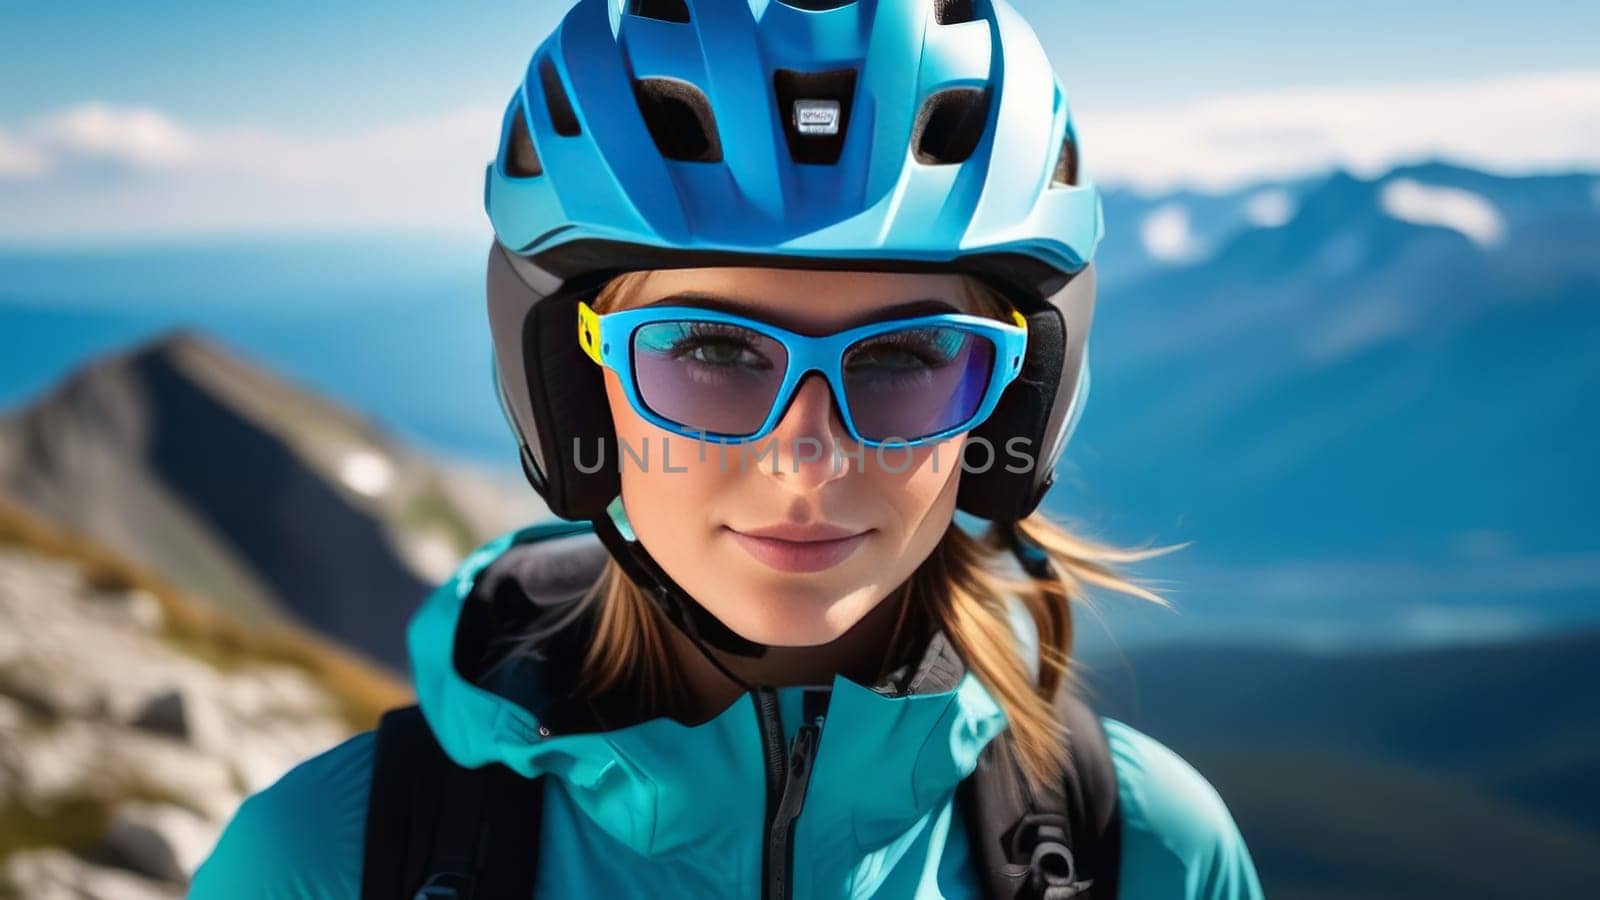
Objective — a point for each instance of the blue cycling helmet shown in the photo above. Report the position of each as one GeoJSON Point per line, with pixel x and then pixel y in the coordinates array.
{"type": "Point", "coordinates": [889, 135]}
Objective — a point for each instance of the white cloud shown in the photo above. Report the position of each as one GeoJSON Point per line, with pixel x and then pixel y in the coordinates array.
{"type": "Point", "coordinates": [1448, 207]}
{"type": "Point", "coordinates": [93, 170]}
{"type": "Point", "coordinates": [20, 160]}
{"type": "Point", "coordinates": [139, 137]}
{"type": "Point", "coordinates": [1509, 124]}
{"type": "Point", "coordinates": [1270, 208]}
{"type": "Point", "coordinates": [1168, 235]}
{"type": "Point", "coordinates": [176, 176]}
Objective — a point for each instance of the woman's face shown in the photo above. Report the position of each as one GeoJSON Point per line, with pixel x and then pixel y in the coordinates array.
{"type": "Point", "coordinates": [698, 507]}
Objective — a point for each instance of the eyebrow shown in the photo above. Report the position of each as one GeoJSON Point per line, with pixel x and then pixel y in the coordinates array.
{"type": "Point", "coordinates": [740, 307]}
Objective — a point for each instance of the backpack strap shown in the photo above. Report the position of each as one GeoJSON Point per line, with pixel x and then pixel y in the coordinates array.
{"type": "Point", "coordinates": [1050, 844]}
{"type": "Point", "coordinates": [430, 833]}
{"type": "Point", "coordinates": [437, 831]}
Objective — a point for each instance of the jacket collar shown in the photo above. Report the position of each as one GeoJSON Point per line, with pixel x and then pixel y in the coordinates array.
{"type": "Point", "coordinates": [888, 754]}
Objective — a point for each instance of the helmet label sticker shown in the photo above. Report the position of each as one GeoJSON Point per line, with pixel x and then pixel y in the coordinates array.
{"type": "Point", "coordinates": [816, 116]}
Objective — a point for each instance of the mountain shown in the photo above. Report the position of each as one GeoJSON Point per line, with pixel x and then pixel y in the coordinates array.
{"type": "Point", "coordinates": [1149, 231]}
{"type": "Point", "coordinates": [1363, 399]}
{"type": "Point", "coordinates": [1371, 417]}
{"type": "Point", "coordinates": [1418, 773]}
{"type": "Point", "coordinates": [248, 490]}
{"type": "Point", "coordinates": [390, 324]}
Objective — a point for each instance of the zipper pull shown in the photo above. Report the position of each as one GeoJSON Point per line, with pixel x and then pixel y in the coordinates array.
{"type": "Point", "coordinates": [780, 836]}
{"type": "Point", "coordinates": [801, 754]}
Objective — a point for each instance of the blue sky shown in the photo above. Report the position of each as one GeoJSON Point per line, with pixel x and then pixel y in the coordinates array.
{"type": "Point", "coordinates": [324, 64]}
{"type": "Point", "coordinates": [320, 81]}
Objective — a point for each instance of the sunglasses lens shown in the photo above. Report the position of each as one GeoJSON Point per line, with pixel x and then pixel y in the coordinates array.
{"type": "Point", "coordinates": [918, 382]}
{"type": "Point", "coordinates": [708, 376]}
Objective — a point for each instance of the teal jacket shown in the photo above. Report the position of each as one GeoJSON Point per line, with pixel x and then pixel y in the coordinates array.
{"type": "Point", "coordinates": [661, 809]}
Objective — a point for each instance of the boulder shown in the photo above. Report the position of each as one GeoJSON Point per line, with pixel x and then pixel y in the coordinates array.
{"type": "Point", "coordinates": [160, 841]}
{"type": "Point", "coordinates": [50, 873]}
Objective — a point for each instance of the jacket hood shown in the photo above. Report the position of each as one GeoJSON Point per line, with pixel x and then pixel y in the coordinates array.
{"type": "Point", "coordinates": [889, 754]}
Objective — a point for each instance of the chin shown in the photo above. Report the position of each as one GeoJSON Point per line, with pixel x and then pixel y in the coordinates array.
{"type": "Point", "coordinates": [800, 621]}
{"type": "Point", "coordinates": [789, 635]}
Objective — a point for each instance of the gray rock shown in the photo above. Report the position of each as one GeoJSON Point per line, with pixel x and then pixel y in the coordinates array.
{"type": "Point", "coordinates": [160, 841]}
{"type": "Point", "coordinates": [164, 714]}
{"type": "Point", "coordinates": [98, 706]}
{"type": "Point", "coordinates": [49, 873]}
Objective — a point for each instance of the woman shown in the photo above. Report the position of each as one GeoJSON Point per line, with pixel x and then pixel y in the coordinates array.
{"type": "Point", "coordinates": [777, 288]}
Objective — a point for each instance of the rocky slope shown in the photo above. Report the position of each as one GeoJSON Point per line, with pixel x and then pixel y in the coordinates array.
{"type": "Point", "coordinates": [249, 491]}
{"type": "Point", "coordinates": [133, 721]}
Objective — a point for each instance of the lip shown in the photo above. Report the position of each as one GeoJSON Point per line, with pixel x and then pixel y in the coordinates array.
{"type": "Point", "coordinates": [800, 548]}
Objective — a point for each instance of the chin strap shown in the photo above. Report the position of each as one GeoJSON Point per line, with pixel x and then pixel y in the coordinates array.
{"type": "Point", "coordinates": [703, 629]}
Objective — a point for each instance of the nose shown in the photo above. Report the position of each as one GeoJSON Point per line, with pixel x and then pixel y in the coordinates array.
{"type": "Point", "coordinates": [806, 443]}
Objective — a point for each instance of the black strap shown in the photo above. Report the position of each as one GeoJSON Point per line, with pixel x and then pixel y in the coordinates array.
{"type": "Point", "coordinates": [437, 831]}
{"type": "Point", "coordinates": [687, 613]}
{"type": "Point", "coordinates": [1047, 845]}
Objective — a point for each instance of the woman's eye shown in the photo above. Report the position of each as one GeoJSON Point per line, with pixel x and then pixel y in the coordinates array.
{"type": "Point", "coordinates": [720, 352]}
{"type": "Point", "coordinates": [922, 349]}
{"type": "Point", "coordinates": [886, 358]}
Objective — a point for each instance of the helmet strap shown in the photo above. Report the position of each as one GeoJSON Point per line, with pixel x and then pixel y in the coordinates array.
{"type": "Point", "coordinates": [702, 628]}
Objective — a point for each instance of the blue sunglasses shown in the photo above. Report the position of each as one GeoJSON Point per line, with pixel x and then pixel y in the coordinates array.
{"type": "Point", "coordinates": [728, 378]}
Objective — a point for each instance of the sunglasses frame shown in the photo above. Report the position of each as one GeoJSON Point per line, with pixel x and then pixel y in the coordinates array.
{"type": "Point", "coordinates": [608, 340]}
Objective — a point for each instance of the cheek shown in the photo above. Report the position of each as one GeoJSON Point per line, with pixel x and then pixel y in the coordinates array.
{"type": "Point", "coordinates": [919, 485]}
{"type": "Point", "coordinates": [663, 477]}
{"type": "Point", "coordinates": [914, 495]}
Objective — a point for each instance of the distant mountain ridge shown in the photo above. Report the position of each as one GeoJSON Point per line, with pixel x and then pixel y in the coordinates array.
{"type": "Point", "coordinates": [1213, 219]}
{"type": "Point", "coordinates": [1367, 416]}
{"type": "Point", "coordinates": [247, 490]}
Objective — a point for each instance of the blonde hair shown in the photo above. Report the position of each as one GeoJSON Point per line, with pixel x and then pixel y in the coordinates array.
{"type": "Point", "coordinates": [964, 587]}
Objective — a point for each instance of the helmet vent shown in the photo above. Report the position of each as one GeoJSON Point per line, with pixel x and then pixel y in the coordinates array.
{"type": "Point", "coordinates": [950, 124]}
{"type": "Point", "coordinates": [665, 10]}
{"type": "Point", "coordinates": [679, 118]}
{"type": "Point", "coordinates": [555, 97]}
{"type": "Point", "coordinates": [816, 5]}
{"type": "Point", "coordinates": [521, 160]}
{"type": "Point", "coordinates": [1066, 174]}
{"type": "Point", "coordinates": [815, 108]}
{"type": "Point", "coordinates": [952, 12]}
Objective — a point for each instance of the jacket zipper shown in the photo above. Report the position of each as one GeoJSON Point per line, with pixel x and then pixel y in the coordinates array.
{"type": "Point", "coordinates": [787, 779]}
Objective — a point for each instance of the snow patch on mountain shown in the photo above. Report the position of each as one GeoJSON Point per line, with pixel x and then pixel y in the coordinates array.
{"type": "Point", "coordinates": [366, 472]}
{"type": "Point", "coordinates": [1168, 234]}
{"type": "Point", "coordinates": [1461, 210]}
{"type": "Point", "coordinates": [1269, 208]}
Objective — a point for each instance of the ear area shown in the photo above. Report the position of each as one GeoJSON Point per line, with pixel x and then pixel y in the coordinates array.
{"type": "Point", "coordinates": [552, 388]}
{"type": "Point", "coordinates": [987, 489]}
{"type": "Point", "coordinates": [1029, 428]}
